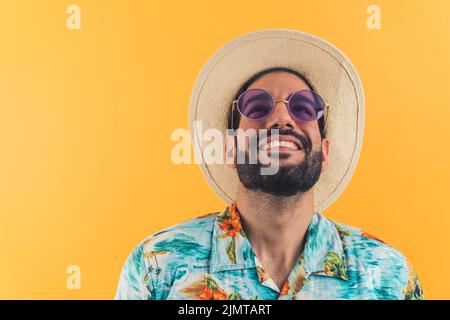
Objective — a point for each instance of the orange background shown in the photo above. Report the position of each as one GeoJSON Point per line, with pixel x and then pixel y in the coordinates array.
{"type": "Point", "coordinates": [86, 118]}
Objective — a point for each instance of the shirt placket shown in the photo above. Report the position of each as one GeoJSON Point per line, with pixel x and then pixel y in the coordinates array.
{"type": "Point", "coordinates": [264, 277]}
{"type": "Point", "coordinates": [295, 281]}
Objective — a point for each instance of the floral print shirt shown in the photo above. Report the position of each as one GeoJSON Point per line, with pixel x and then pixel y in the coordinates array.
{"type": "Point", "coordinates": [210, 258]}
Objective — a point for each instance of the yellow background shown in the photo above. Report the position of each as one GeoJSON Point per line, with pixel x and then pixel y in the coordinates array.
{"type": "Point", "coordinates": [86, 117]}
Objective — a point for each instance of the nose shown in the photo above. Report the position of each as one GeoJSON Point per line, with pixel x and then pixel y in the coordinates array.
{"type": "Point", "coordinates": [280, 118]}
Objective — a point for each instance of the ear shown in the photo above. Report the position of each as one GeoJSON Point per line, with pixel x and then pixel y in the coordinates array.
{"type": "Point", "coordinates": [325, 153]}
{"type": "Point", "coordinates": [230, 150]}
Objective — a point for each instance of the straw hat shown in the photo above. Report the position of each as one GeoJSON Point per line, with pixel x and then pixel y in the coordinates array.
{"type": "Point", "coordinates": [329, 71]}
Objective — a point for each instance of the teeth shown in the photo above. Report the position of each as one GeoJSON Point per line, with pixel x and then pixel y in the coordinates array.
{"type": "Point", "coordinates": [277, 144]}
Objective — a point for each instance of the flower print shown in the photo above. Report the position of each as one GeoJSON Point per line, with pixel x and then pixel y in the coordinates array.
{"type": "Point", "coordinates": [206, 289]}
{"type": "Point", "coordinates": [206, 293]}
{"type": "Point", "coordinates": [285, 289]}
{"type": "Point", "coordinates": [335, 266]}
{"type": "Point", "coordinates": [230, 222]}
{"type": "Point", "coordinates": [210, 294]}
{"type": "Point", "coordinates": [219, 295]}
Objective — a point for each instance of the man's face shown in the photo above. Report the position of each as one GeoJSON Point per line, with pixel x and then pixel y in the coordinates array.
{"type": "Point", "coordinates": [299, 168]}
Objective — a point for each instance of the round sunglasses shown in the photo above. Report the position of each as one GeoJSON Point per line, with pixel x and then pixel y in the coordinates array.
{"type": "Point", "coordinates": [258, 104]}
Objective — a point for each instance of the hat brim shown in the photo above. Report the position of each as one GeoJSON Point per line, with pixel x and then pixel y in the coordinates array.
{"type": "Point", "coordinates": [329, 71]}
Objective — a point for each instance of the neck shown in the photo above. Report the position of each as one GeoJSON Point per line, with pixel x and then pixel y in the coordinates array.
{"type": "Point", "coordinates": [276, 226]}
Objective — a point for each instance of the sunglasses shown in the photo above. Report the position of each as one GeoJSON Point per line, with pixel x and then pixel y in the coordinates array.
{"type": "Point", "coordinates": [258, 104]}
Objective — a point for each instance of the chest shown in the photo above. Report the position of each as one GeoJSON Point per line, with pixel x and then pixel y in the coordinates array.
{"type": "Point", "coordinates": [279, 273]}
{"type": "Point", "coordinates": [245, 284]}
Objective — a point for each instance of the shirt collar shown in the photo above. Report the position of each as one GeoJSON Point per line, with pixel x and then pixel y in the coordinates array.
{"type": "Point", "coordinates": [231, 250]}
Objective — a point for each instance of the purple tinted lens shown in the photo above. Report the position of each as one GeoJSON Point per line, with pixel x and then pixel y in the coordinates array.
{"type": "Point", "coordinates": [306, 105]}
{"type": "Point", "coordinates": [255, 104]}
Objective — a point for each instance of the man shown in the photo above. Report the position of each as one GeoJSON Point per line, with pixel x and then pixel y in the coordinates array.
{"type": "Point", "coordinates": [271, 241]}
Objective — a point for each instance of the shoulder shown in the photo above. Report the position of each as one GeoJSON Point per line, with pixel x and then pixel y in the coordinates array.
{"type": "Point", "coordinates": [185, 244]}
{"type": "Point", "coordinates": [368, 247]}
{"type": "Point", "coordinates": [189, 235]}
{"type": "Point", "coordinates": [152, 265]}
{"type": "Point", "coordinates": [372, 258]}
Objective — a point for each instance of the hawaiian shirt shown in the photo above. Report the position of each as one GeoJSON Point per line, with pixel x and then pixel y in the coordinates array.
{"type": "Point", "coordinates": [210, 257]}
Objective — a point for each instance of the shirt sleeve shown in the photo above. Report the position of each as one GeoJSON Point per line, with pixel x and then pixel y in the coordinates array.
{"type": "Point", "coordinates": [133, 281]}
{"type": "Point", "coordinates": [413, 290]}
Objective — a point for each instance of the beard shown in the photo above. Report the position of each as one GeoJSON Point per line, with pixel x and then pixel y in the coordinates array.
{"type": "Point", "coordinates": [290, 179]}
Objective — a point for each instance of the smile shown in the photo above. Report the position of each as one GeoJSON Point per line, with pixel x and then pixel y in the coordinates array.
{"type": "Point", "coordinates": [280, 145]}
{"type": "Point", "coordinates": [284, 143]}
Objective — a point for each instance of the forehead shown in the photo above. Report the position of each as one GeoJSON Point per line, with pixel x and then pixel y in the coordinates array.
{"type": "Point", "coordinates": [279, 83]}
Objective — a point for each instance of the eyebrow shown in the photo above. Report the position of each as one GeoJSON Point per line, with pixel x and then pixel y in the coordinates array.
{"type": "Point", "coordinates": [254, 98]}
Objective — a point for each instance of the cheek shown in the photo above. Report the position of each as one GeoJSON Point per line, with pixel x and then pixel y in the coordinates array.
{"type": "Point", "coordinates": [248, 130]}
{"type": "Point", "coordinates": [315, 135]}
{"type": "Point", "coordinates": [311, 129]}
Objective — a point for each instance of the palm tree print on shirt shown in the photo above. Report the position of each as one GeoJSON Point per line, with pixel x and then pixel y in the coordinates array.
{"type": "Point", "coordinates": [153, 254]}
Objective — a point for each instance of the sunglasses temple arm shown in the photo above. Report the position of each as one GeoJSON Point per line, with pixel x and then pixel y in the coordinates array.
{"type": "Point", "coordinates": [232, 115]}
{"type": "Point", "coordinates": [325, 115]}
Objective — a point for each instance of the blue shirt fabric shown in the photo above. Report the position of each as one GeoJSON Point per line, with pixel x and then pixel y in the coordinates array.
{"type": "Point", "coordinates": [210, 257]}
